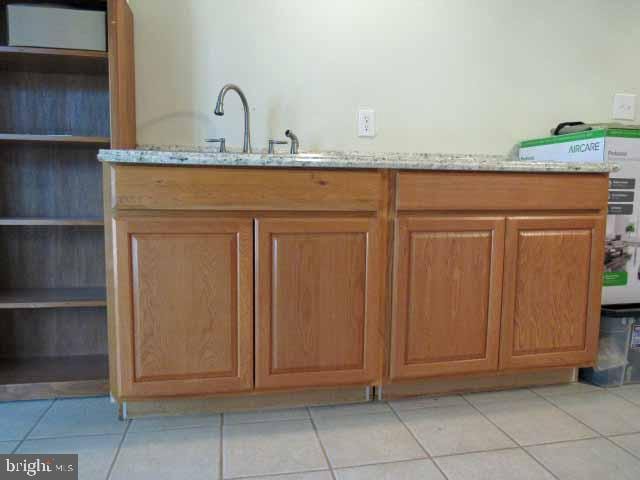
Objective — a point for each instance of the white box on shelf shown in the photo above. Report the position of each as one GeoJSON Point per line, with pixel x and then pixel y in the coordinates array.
{"type": "Point", "coordinates": [56, 27]}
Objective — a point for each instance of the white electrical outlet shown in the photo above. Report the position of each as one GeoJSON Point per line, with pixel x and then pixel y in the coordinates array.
{"type": "Point", "coordinates": [624, 106]}
{"type": "Point", "coordinates": [366, 122]}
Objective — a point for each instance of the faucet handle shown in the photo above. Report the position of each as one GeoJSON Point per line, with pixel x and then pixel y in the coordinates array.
{"type": "Point", "coordinates": [295, 144]}
{"type": "Point", "coordinates": [276, 142]}
{"type": "Point", "coordinates": [221, 141]}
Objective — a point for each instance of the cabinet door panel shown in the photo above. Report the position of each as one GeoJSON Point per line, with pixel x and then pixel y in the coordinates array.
{"type": "Point", "coordinates": [448, 275]}
{"type": "Point", "coordinates": [318, 301]}
{"type": "Point", "coordinates": [186, 311]}
{"type": "Point", "coordinates": [552, 290]}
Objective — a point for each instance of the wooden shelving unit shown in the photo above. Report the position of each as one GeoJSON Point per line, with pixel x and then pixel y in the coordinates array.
{"type": "Point", "coordinates": [44, 377]}
{"type": "Point", "coordinates": [53, 298]}
{"type": "Point", "coordinates": [44, 221]}
{"type": "Point", "coordinates": [52, 60]}
{"type": "Point", "coordinates": [73, 139]}
{"type": "Point", "coordinates": [57, 109]}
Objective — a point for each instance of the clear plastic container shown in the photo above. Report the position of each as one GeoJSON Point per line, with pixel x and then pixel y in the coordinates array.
{"type": "Point", "coordinates": [613, 354]}
{"type": "Point", "coordinates": [632, 374]}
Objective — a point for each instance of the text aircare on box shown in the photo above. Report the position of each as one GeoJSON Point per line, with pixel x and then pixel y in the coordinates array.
{"type": "Point", "coordinates": [596, 146]}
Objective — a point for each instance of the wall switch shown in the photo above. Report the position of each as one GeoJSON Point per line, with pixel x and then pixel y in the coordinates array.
{"type": "Point", "coordinates": [366, 122]}
{"type": "Point", "coordinates": [624, 106]}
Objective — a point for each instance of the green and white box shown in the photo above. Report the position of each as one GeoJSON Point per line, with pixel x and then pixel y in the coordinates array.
{"type": "Point", "coordinates": [595, 146]}
{"type": "Point", "coordinates": [621, 282]}
{"type": "Point", "coordinates": [622, 247]}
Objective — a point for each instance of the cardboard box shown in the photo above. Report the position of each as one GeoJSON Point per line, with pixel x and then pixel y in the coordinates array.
{"type": "Point", "coordinates": [595, 146]}
{"type": "Point", "coordinates": [56, 27]}
{"type": "Point", "coordinates": [622, 255]}
{"type": "Point", "coordinates": [621, 282]}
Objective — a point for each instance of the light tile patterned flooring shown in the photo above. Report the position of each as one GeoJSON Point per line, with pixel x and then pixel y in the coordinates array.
{"type": "Point", "coordinates": [569, 432]}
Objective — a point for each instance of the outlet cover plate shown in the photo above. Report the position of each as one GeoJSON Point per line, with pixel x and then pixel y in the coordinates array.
{"type": "Point", "coordinates": [624, 106]}
{"type": "Point", "coordinates": [366, 122]}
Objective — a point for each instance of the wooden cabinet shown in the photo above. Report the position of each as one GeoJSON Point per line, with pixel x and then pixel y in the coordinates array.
{"type": "Point", "coordinates": [359, 278]}
{"type": "Point", "coordinates": [318, 301]}
{"type": "Point", "coordinates": [454, 312]}
{"type": "Point", "coordinates": [552, 285]}
{"type": "Point", "coordinates": [184, 305]}
{"type": "Point", "coordinates": [498, 291]}
{"type": "Point", "coordinates": [447, 295]}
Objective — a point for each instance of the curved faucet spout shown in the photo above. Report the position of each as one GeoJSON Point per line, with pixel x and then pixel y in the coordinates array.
{"type": "Point", "coordinates": [246, 148]}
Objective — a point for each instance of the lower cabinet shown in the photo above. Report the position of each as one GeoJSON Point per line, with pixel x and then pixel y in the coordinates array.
{"type": "Point", "coordinates": [184, 305]}
{"type": "Point", "coordinates": [454, 311]}
{"type": "Point", "coordinates": [186, 311]}
{"type": "Point", "coordinates": [447, 295]}
{"type": "Point", "coordinates": [552, 288]}
{"type": "Point", "coordinates": [318, 301]}
{"type": "Point", "coordinates": [285, 280]}
{"type": "Point", "coordinates": [471, 294]}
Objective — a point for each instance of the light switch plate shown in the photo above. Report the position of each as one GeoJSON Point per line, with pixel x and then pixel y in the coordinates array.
{"type": "Point", "coordinates": [624, 106]}
{"type": "Point", "coordinates": [366, 122]}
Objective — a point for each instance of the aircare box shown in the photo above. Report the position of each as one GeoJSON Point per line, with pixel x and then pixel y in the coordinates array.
{"type": "Point", "coordinates": [621, 146]}
{"type": "Point", "coordinates": [595, 146]}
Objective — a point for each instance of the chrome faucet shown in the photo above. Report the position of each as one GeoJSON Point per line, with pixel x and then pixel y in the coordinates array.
{"type": "Point", "coordinates": [295, 144]}
{"type": "Point", "coordinates": [246, 148]}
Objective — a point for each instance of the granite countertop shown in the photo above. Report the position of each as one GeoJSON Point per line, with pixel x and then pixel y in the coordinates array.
{"type": "Point", "coordinates": [174, 155]}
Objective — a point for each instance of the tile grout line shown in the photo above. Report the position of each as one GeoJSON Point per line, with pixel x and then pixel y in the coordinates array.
{"type": "Point", "coordinates": [37, 422]}
{"type": "Point", "coordinates": [275, 475]}
{"type": "Point", "coordinates": [613, 392]}
{"type": "Point", "coordinates": [374, 464]}
{"type": "Point", "coordinates": [324, 451]}
{"type": "Point", "coordinates": [84, 435]}
{"type": "Point", "coordinates": [606, 391]}
{"type": "Point", "coordinates": [473, 452]}
{"type": "Point", "coordinates": [344, 415]}
{"type": "Point", "coordinates": [258, 422]}
{"type": "Point", "coordinates": [415, 439]}
{"type": "Point", "coordinates": [221, 455]}
{"type": "Point", "coordinates": [634, 455]}
{"type": "Point", "coordinates": [115, 457]}
{"type": "Point", "coordinates": [516, 446]}
{"type": "Point", "coordinates": [425, 407]}
{"type": "Point", "coordinates": [598, 434]}
{"type": "Point", "coordinates": [526, 452]}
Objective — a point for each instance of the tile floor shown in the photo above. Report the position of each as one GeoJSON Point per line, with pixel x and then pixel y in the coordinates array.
{"type": "Point", "coordinates": [564, 433]}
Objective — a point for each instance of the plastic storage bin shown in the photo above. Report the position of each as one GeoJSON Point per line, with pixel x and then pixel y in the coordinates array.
{"type": "Point", "coordinates": [633, 365]}
{"type": "Point", "coordinates": [613, 364]}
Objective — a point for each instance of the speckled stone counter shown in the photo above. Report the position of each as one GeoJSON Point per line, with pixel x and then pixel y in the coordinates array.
{"type": "Point", "coordinates": [168, 155]}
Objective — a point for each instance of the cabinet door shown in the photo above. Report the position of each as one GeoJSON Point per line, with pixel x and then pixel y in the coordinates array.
{"type": "Point", "coordinates": [184, 300]}
{"type": "Point", "coordinates": [447, 285]}
{"type": "Point", "coordinates": [318, 296]}
{"type": "Point", "coordinates": [552, 285]}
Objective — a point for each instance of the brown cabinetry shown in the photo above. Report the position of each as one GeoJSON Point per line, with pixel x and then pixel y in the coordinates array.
{"type": "Point", "coordinates": [226, 280]}
{"type": "Point", "coordinates": [552, 285]}
{"type": "Point", "coordinates": [475, 292]}
{"type": "Point", "coordinates": [455, 312]}
{"type": "Point", "coordinates": [185, 305]}
{"type": "Point", "coordinates": [58, 108]}
{"type": "Point", "coordinates": [308, 246]}
{"type": "Point", "coordinates": [448, 281]}
{"type": "Point", "coordinates": [318, 290]}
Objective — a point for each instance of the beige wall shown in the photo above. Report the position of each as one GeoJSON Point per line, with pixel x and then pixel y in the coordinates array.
{"type": "Point", "coordinates": [442, 75]}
